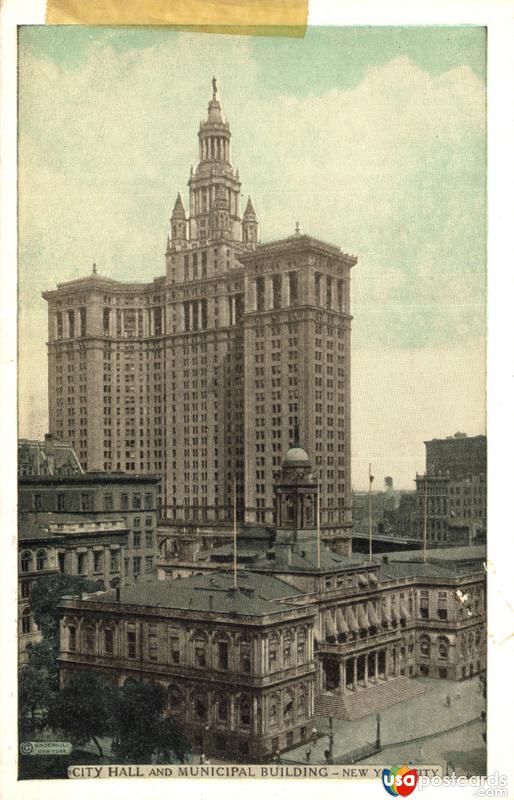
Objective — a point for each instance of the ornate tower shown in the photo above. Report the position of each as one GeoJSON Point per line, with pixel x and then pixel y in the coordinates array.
{"type": "Point", "coordinates": [250, 224]}
{"type": "Point", "coordinates": [213, 173]}
{"type": "Point", "coordinates": [296, 497]}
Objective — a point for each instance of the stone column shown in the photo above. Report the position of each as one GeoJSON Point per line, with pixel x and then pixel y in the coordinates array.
{"type": "Point", "coordinates": [268, 303]}
{"type": "Point", "coordinates": [342, 676]}
{"type": "Point", "coordinates": [376, 666]}
{"type": "Point", "coordinates": [355, 673]}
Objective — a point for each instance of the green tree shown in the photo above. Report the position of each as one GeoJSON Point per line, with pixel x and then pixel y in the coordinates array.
{"type": "Point", "coordinates": [39, 677]}
{"type": "Point", "coordinates": [46, 593]}
{"type": "Point", "coordinates": [83, 710]}
{"type": "Point", "coordinates": [142, 730]}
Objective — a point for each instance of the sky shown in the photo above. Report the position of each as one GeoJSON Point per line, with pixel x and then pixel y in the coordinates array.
{"type": "Point", "coordinates": [372, 138]}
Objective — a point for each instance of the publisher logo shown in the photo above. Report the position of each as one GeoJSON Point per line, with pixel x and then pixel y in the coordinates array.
{"type": "Point", "coordinates": [399, 781]}
{"type": "Point", "coordinates": [46, 748]}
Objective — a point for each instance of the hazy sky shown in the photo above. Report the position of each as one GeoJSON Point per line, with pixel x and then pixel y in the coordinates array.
{"type": "Point", "coordinates": [373, 138]}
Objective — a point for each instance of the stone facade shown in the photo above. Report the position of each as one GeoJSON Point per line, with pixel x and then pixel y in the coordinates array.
{"type": "Point", "coordinates": [50, 499]}
{"type": "Point", "coordinates": [201, 375]}
{"type": "Point", "coordinates": [240, 680]}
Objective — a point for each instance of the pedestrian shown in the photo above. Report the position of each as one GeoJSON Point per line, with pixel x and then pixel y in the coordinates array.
{"type": "Point", "coordinates": [308, 754]}
{"type": "Point", "coordinates": [448, 700]}
{"type": "Point", "coordinates": [458, 694]}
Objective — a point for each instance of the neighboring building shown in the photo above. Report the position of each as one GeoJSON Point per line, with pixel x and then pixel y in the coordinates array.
{"type": "Point", "coordinates": [202, 375]}
{"type": "Point", "coordinates": [347, 637]}
{"type": "Point", "coordinates": [453, 490]}
{"type": "Point", "coordinates": [95, 496]}
{"type": "Point", "coordinates": [457, 456]}
{"type": "Point", "coordinates": [49, 457]}
{"type": "Point", "coordinates": [72, 544]}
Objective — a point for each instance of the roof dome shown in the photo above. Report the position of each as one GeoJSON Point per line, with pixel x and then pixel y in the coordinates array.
{"type": "Point", "coordinates": [296, 454]}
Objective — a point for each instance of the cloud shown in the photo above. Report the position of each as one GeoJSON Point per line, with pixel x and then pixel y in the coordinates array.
{"type": "Point", "coordinates": [392, 169]}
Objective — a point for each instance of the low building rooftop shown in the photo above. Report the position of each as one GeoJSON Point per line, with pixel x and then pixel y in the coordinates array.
{"type": "Point", "coordinates": [255, 595]}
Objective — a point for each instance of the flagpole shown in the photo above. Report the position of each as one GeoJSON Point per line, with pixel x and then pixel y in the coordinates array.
{"type": "Point", "coordinates": [235, 535]}
{"type": "Point", "coordinates": [318, 531]}
{"type": "Point", "coordinates": [370, 521]}
{"type": "Point", "coordinates": [425, 504]}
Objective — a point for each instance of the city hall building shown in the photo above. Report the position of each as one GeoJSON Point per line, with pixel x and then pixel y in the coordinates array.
{"type": "Point", "coordinates": [202, 374]}
{"type": "Point", "coordinates": [250, 656]}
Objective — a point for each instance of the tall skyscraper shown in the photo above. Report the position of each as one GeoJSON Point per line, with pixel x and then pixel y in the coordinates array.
{"type": "Point", "coordinates": [208, 374]}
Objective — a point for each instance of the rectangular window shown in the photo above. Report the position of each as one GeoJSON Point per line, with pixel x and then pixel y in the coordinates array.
{"type": "Point", "coordinates": [71, 324]}
{"type": "Point", "coordinates": [85, 501]}
{"type": "Point", "coordinates": [293, 288]}
{"type": "Point", "coordinates": [136, 565]}
{"type": "Point", "coordinates": [199, 655]}
{"type": "Point", "coordinates": [149, 539]}
{"type": "Point", "coordinates": [98, 561]}
{"type": "Point", "coordinates": [108, 642]}
{"type": "Point", "coordinates": [115, 561]}
{"type": "Point", "coordinates": [124, 502]}
{"type": "Point", "coordinates": [317, 288]}
{"type": "Point", "coordinates": [259, 290]}
{"type": "Point", "coordinates": [340, 296]}
{"type": "Point", "coordinates": [157, 318]}
{"type": "Point", "coordinates": [148, 564]}
{"type": "Point", "coordinates": [131, 644]}
{"type": "Point", "coordinates": [223, 655]}
{"type": "Point", "coordinates": [37, 502]}
{"type": "Point", "coordinates": [108, 502]}
{"type": "Point", "coordinates": [106, 321]}
{"type": "Point", "coordinates": [175, 649]}
{"type": "Point", "coordinates": [72, 639]}
{"type": "Point", "coordinates": [277, 291]}
{"type": "Point", "coordinates": [60, 502]}
{"type": "Point", "coordinates": [59, 325]}
{"type": "Point", "coordinates": [149, 500]}
{"type": "Point", "coordinates": [204, 264]}
{"type": "Point", "coordinates": [136, 539]}
{"type": "Point", "coordinates": [136, 501]}
{"type": "Point", "coordinates": [152, 645]}
{"type": "Point", "coordinates": [83, 319]}
{"type": "Point", "coordinates": [329, 291]}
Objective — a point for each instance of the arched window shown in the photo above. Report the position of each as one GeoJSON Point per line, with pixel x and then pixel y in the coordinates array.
{"type": "Point", "coordinates": [175, 700]}
{"type": "Point", "coordinates": [26, 621]}
{"type": "Point", "coordinates": [301, 645]}
{"type": "Point", "coordinates": [443, 648]}
{"type": "Point", "coordinates": [273, 710]}
{"type": "Point", "coordinates": [72, 638]}
{"type": "Point", "coordinates": [89, 639]}
{"type": "Point", "coordinates": [288, 707]}
{"type": "Point", "coordinates": [424, 646]}
{"type": "Point", "coordinates": [245, 713]}
{"type": "Point", "coordinates": [273, 652]}
{"type": "Point", "coordinates": [26, 561]}
{"type": "Point", "coordinates": [199, 650]}
{"type": "Point", "coordinates": [287, 648]}
{"type": "Point", "coordinates": [245, 656]}
{"type": "Point", "coordinates": [222, 708]}
{"type": "Point", "coordinates": [41, 559]}
{"type": "Point", "coordinates": [301, 702]}
{"type": "Point", "coordinates": [199, 708]}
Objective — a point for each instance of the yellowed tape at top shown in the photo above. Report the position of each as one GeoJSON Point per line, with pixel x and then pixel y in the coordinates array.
{"type": "Point", "coordinates": [246, 17]}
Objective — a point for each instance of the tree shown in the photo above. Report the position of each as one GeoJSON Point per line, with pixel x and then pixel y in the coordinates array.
{"type": "Point", "coordinates": [84, 708]}
{"type": "Point", "coordinates": [142, 731]}
{"type": "Point", "coordinates": [46, 593]}
{"type": "Point", "coordinates": [39, 677]}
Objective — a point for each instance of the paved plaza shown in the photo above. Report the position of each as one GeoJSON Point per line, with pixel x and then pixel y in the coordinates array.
{"type": "Point", "coordinates": [423, 729]}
